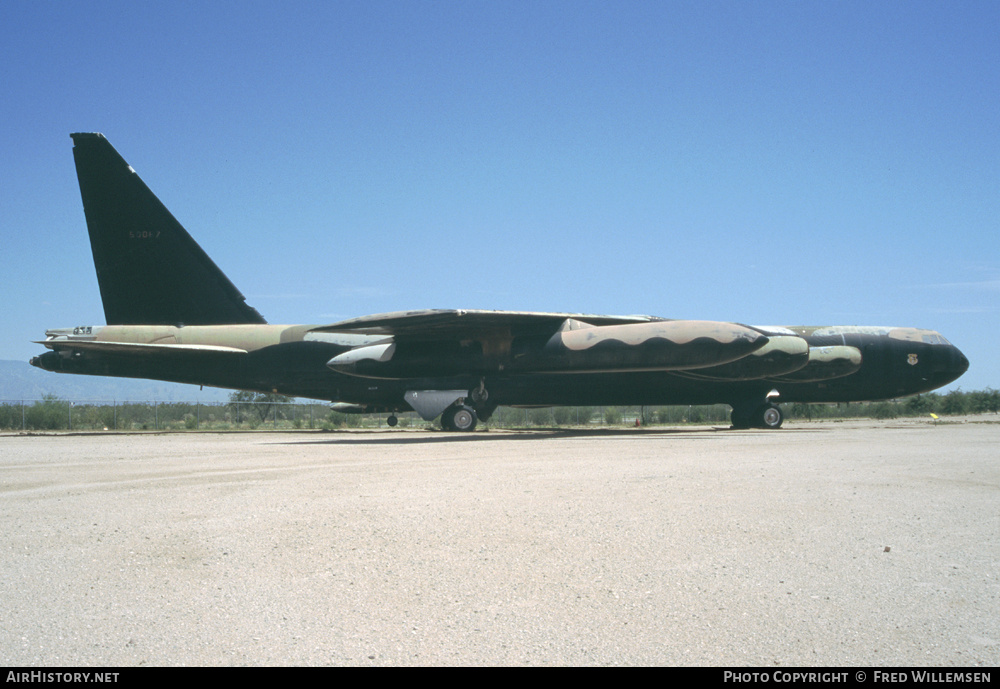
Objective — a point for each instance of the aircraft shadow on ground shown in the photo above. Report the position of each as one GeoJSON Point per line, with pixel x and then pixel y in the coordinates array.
{"type": "Point", "coordinates": [423, 437]}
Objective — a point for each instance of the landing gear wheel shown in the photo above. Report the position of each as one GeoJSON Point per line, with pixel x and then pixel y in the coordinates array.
{"type": "Point", "coordinates": [740, 418]}
{"type": "Point", "coordinates": [464, 419]}
{"type": "Point", "coordinates": [459, 419]}
{"type": "Point", "coordinates": [392, 420]}
{"type": "Point", "coordinates": [479, 395]}
{"type": "Point", "coordinates": [769, 416]}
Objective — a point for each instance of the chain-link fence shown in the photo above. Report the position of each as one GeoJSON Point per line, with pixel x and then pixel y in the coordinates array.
{"type": "Point", "coordinates": [89, 415]}
{"type": "Point", "coordinates": [51, 413]}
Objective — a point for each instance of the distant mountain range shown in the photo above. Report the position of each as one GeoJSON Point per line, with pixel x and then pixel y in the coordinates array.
{"type": "Point", "coordinates": [22, 381]}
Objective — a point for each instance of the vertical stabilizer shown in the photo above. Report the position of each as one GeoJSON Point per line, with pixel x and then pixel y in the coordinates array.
{"type": "Point", "coordinates": [150, 270]}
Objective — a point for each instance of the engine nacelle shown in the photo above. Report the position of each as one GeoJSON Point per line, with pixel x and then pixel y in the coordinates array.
{"type": "Point", "coordinates": [656, 346]}
{"type": "Point", "coordinates": [826, 363]}
{"type": "Point", "coordinates": [783, 354]}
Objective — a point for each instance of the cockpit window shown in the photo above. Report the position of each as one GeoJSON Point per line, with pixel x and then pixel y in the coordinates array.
{"type": "Point", "coordinates": [918, 335]}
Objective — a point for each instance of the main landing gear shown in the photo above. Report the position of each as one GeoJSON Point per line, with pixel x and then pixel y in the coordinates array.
{"type": "Point", "coordinates": [459, 418]}
{"type": "Point", "coordinates": [460, 409]}
{"type": "Point", "coordinates": [767, 415]}
{"type": "Point", "coordinates": [467, 412]}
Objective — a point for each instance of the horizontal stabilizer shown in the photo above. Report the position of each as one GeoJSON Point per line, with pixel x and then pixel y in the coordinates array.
{"type": "Point", "coordinates": [139, 349]}
{"type": "Point", "coordinates": [137, 360]}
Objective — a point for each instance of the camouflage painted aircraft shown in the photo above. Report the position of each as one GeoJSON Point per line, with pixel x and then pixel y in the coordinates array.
{"type": "Point", "coordinates": [173, 315]}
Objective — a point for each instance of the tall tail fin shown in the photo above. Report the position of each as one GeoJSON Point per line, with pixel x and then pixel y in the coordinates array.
{"type": "Point", "coordinates": [150, 270]}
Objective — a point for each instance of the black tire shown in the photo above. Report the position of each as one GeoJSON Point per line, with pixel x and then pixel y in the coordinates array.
{"type": "Point", "coordinates": [464, 419]}
{"type": "Point", "coordinates": [459, 419]}
{"type": "Point", "coordinates": [740, 419]}
{"type": "Point", "coordinates": [770, 416]}
{"type": "Point", "coordinates": [446, 420]}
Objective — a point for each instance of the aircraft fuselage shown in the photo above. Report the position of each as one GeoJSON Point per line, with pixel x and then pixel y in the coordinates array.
{"type": "Point", "coordinates": [292, 360]}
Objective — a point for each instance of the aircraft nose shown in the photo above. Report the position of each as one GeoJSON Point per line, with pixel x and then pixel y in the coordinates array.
{"type": "Point", "coordinates": [960, 364]}
{"type": "Point", "coordinates": [950, 364]}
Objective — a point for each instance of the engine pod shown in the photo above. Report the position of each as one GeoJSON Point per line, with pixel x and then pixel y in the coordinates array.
{"type": "Point", "coordinates": [826, 363]}
{"type": "Point", "coordinates": [782, 355]}
{"type": "Point", "coordinates": [656, 346]}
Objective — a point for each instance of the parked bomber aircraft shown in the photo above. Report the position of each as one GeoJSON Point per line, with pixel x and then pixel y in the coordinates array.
{"type": "Point", "coordinates": [173, 315]}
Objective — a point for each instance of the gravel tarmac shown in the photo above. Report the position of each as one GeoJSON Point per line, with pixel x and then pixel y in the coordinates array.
{"type": "Point", "coordinates": [853, 543]}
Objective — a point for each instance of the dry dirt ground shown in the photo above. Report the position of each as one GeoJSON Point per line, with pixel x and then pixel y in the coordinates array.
{"type": "Point", "coordinates": [855, 543]}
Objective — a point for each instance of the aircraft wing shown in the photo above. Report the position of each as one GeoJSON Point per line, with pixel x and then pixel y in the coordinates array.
{"type": "Point", "coordinates": [447, 343]}
{"type": "Point", "coordinates": [438, 324]}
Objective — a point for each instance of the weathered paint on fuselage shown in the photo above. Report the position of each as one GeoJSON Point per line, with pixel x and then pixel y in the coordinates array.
{"type": "Point", "coordinates": [292, 360]}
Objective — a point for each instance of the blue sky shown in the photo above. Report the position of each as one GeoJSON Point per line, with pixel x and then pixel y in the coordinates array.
{"type": "Point", "coordinates": [761, 162]}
